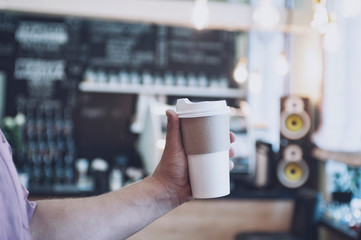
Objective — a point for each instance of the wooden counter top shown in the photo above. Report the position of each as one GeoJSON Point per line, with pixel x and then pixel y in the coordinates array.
{"type": "Point", "coordinates": [219, 220]}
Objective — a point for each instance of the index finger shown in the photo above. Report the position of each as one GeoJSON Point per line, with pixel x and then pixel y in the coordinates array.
{"type": "Point", "coordinates": [232, 137]}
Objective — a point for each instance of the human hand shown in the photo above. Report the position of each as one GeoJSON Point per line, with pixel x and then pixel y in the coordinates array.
{"type": "Point", "coordinates": [172, 170]}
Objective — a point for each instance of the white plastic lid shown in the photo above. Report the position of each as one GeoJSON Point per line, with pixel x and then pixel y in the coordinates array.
{"type": "Point", "coordinates": [188, 109]}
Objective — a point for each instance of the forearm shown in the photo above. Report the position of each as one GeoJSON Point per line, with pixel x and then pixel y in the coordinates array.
{"type": "Point", "coordinates": [115, 215]}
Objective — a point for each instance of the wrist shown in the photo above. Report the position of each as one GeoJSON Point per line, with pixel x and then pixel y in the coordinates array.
{"type": "Point", "coordinates": [165, 199]}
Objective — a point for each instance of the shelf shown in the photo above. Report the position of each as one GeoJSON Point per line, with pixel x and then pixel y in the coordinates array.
{"type": "Point", "coordinates": [351, 159]}
{"type": "Point", "coordinates": [163, 90]}
{"type": "Point", "coordinates": [175, 12]}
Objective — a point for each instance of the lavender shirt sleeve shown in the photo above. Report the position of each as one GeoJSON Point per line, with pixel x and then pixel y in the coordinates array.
{"type": "Point", "coordinates": [15, 210]}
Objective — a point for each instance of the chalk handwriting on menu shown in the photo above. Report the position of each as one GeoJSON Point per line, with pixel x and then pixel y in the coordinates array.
{"type": "Point", "coordinates": [40, 75]}
{"type": "Point", "coordinates": [119, 44]}
{"type": "Point", "coordinates": [185, 48]}
{"type": "Point", "coordinates": [41, 35]}
{"type": "Point", "coordinates": [39, 69]}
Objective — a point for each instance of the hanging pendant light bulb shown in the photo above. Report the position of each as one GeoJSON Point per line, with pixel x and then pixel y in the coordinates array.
{"type": "Point", "coordinates": [350, 8]}
{"type": "Point", "coordinates": [332, 37]}
{"type": "Point", "coordinates": [255, 82]}
{"type": "Point", "coordinates": [240, 73]}
{"type": "Point", "coordinates": [282, 66]}
{"type": "Point", "coordinates": [266, 15]}
{"type": "Point", "coordinates": [319, 17]}
{"type": "Point", "coordinates": [200, 14]}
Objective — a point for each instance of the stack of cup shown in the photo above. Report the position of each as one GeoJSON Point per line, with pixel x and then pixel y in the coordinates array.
{"type": "Point", "coordinates": [205, 136]}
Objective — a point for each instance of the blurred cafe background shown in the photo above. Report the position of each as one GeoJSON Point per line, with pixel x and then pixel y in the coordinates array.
{"type": "Point", "coordinates": [84, 86]}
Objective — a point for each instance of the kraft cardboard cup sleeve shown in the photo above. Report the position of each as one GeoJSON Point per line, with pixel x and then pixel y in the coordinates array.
{"type": "Point", "coordinates": [205, 136]}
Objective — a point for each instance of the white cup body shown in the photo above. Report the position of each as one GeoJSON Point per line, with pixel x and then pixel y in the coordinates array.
{"type": "Point", "coordinates": [208, 153]}
{"type": "Point", "coordinates": [209, 174]}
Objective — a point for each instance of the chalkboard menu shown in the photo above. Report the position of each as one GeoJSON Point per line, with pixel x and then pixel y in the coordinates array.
{"type": "Point", "coordinates": [189, 50]}
{"type": "Point", "coordinates": [45, 58]}
{"type": "Point", "coordinates": [120, 45]}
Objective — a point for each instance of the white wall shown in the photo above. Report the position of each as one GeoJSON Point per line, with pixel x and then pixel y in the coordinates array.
{"type": "Point", "coordinates": [307, 66]}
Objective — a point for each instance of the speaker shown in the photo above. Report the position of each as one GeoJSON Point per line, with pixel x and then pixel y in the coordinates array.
{"type": "Point", "coordinates": [293, 165]}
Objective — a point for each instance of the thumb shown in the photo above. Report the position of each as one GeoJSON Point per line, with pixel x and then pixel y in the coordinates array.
{"type": "Point", "coordinates": [173, 129]}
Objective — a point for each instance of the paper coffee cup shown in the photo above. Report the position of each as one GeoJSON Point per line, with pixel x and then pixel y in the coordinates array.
{"type": "Point", "coordinates": [205, 136]}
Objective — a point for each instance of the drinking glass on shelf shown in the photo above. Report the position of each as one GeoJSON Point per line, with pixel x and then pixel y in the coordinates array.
{"type": "Point", "coordinates": [69, 175]}
{"type": "Point", "coordinates": [59, 174]}
{"type": "Point", "coordinates": [48, 175]}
